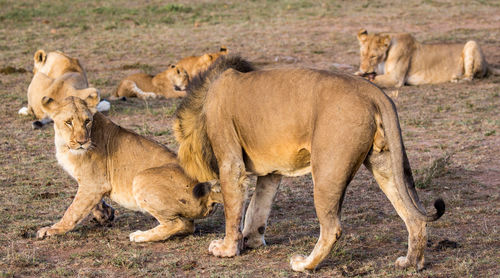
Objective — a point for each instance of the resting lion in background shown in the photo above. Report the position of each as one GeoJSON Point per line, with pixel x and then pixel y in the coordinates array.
{"type": "Point", "coordinates": [135, 172]}
{"type": "Point", "coordinates": [170, 83]}
{"type": "Point", "coordinates": [395, 59]}
{"type": "Point", "coordinates": [58, 76]}
{"type": "Point", "coordinates": [236, 121]}
{"type": "Point", "coordinates": [196, 64]}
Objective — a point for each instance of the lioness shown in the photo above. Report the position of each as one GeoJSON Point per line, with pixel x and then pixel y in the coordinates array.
{"type": "Point", "coordinates": [170, 83]}
{"type": "Point", "coordinates": [395, 59]}
{"type": "Point", "coordinates": [133, 171]}
{"type": "Point", "coordinates": [236, 121]}
{"type": "Point", "coordinates": [196, 64]}
{"type": "Point", "coordinates": [56, 75]}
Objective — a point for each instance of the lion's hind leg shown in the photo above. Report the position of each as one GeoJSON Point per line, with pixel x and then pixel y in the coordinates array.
{"type": "Point", "coordinates": [164, 230]}
{"type": "Point", "coordinates": [379, 163]}
{"type": "Point", "coordinates": [156, 191]}
{"type": "Point", "coordinates": [332, 170]}
{"type": "Point", "coordinates": [473, 61]}
{"type": "Point", "coordinates": [129, 88]}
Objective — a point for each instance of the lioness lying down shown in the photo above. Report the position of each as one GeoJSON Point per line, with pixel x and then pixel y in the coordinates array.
{"type": "Point", "coordinates": [170, 83]}
{"type": "Point", "coordinates": [58, 76]}
{"type": "Point", "coordinates": [133, 171]}
{"type": "Point", "coordinates": [395, 59]}
{"type": "Point", "coordinates": [236, 121]}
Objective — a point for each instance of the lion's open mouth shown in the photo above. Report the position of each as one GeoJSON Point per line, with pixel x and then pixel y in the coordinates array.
{"type": "Point", "coordinates": [369, 75]}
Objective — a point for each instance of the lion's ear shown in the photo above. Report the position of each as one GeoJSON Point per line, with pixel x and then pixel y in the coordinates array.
{"type": "Point", "coordinates": [49, 105]}
{"type": "Point", "coordinates": [207, 57]}
{"type": "Point", "coordinates": [40, 56]}
{"type": "Point", "coordinates": [172, 66]}
{"type": "Point", "coordinates": [93, 98]}
{"type": "Point", "coordinates": [223, 49]}
{"type": "Point", "coordinates": [362, 34]}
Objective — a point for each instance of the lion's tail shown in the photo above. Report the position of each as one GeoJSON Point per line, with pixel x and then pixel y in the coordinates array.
{"type": "Point", "coordinates": [195, 150]}
{"type": "Point", "coordinates": [404, 182]}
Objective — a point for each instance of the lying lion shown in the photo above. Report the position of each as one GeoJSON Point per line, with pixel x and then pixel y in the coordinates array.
{"type": "Point", "coordinates": [196, 64]}
{"type": "Point", "coordinates": [395, 59]}
{"type": "Point", "coordinates": [289, 122]}
{"type": "Point", "coordinates": [137, 173]}
{"type": "Point", "coordinates": [170, 83]}
{"type": "Point", "coordinates": [58, 76]}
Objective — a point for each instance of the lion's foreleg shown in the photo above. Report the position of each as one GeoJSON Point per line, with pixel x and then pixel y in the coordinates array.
{"type": "Point", "coordinates": [233, 184]}
{"type": "Point", "coordinates": [84, 201]}
{"type": "Point", "coordinates": [258, 210]}
{"type": "Point", "coordinates": [396, 69]}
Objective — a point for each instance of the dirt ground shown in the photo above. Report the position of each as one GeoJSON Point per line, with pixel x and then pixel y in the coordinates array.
{"type": "Point", "coordinates": [451, 132]}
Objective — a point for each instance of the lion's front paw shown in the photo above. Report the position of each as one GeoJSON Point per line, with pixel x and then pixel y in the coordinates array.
{"type": "Point", "coordinates": [402, 262]}
{"type": "Point", "coordinates": [298, 263]}
{"type": "Point", "coordinates": [138, 236]}
{"type": "Point", "coordinates": [46, 232]}
{"type": "Point", "coordinates": [220, 248]}
{"type": "Point", "coordinates": [23, 111]}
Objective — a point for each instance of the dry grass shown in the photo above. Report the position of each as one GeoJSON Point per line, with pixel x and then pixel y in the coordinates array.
{"type": "Point", "coordinates": [451, 133]}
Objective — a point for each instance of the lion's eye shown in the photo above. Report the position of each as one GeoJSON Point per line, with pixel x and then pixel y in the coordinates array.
{"type": "Point", "coordinates": [68, 123]}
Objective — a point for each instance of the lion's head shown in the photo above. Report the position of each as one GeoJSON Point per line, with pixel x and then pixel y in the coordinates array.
{"type": "Point", "coordinates": [72, 121]}
{"type": "Point", "coordinates": [373, 51]}
{"type": "Point", "coordinates": [176, 75]}
{"type": "Point", "coordinates": [55, 63]}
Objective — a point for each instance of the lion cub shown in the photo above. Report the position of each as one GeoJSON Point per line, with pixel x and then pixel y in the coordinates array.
{"type": "Point", "coordinates": [137, 173]}
{"type": "Point", "coordinates": [395, 59]}
{"type": "Point", "coordinates": [196, 64]}
{"type": "Point", "coordinates": [170, 83]}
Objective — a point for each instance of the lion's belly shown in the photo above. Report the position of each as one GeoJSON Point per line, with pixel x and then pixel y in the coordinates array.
{"type": "Point", "coordinates": [124, 199]}
{"type": "Point", "coordinates": [292, 164]}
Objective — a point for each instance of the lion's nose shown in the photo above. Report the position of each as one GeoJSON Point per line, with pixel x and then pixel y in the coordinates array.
{"type": "Point", "coordinates": [81, 142]}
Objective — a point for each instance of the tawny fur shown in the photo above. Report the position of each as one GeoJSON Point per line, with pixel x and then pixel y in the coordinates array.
{"type": "Point", "coordinates": [236, 121]}
{"type": "Point", "coordinates": [398, 59]}
{"type": "Point", "coordinates": [170, 83]}
{"type": "Point", "coordinates": [58, 76]}
{"type": "Point", "coordinates": [197, 64]}
{"type": "Point", "coordinates": [133, 171]}
{"type": "Point", "coordinates": [197, 157]}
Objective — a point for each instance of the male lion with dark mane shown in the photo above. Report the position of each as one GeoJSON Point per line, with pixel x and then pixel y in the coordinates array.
{"type": "Point", "coordinates": [395, 59]}
{"type": "Point", "coordinates": [237, 121]}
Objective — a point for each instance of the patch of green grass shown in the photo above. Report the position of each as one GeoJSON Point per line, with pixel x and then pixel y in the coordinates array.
{"type": "Point", "coordinates": [437, 169]}
{"type": "Point", "coordinates": [489, 133]}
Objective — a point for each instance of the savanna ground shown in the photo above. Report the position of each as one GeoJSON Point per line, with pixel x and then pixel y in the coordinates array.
{"type": "Point", "coordinates": [451, 131]}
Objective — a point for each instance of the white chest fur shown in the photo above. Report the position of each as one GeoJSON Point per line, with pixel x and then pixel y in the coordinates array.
{"type": "Point", "coordinates": [64, 157]}
{"type": "Point", "coordinates": [381, 68]}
